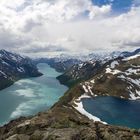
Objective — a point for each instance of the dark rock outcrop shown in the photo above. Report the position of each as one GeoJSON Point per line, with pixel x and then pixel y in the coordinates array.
{"type": "Point", "coordinates": [14, 67]}
{"type": "Point", "coordinates": [80, 72]}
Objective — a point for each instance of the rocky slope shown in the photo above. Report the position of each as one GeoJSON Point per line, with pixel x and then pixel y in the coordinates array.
{"type": "Point", "coordinates": [14, 67]}
{"type": "Point", "coordinates": [117, 77]}
{"type": "Point", "coordinates": [86, 69]}
{"type": "Point", "coordinates": [120, 77]}
{"type": "Point", "coordinates": [79, 72]}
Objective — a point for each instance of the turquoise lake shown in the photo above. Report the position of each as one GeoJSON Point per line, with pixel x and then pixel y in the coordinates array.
{"type": "Point", "coordinates": [114, 111]}
{"type": "Point", "coordinates": [32, 95]}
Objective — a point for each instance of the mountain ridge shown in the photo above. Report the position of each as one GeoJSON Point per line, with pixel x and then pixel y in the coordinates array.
{"type": "Point", "coordinates": [14, 67]}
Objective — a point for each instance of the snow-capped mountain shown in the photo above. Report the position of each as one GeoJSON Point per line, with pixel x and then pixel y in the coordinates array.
{"type": "Point", "coordinates": [14, 67]}
{"type": "Point", "coordinates": [81, 71]}
{"type": "Point", "coordinates": [75, 62]}
{"type": "Point", "coordinates": [60, 64]}
{"type": "Point", "coordinates": [128, 54]}
{"type": "Point", "coordinates": [119, 76]}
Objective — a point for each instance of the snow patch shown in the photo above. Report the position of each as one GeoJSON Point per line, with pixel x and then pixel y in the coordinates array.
{"type": "Point", "coordinates": [92, 81]}
{"type": "Point", "coordinates": [20, 69]}
{"type": "Point", "coordinates": [114, 72]}
{"type": "Point", "coordinates": [81, 109]}
{"type": "Point", "coordinates": [133, 96]}
{"type": "Point", "coordinates": [131, 71]}
{"type": "Point", "coordinates": [89, 88]}
{"type": "Point", "coordinates": [113, 64]}
{"type": "Point", "coordinates": [1, 72]}
{"type": "Point", "coordinates": [136, 82]}
{"type": "Point", "coordinates": [85, 89]}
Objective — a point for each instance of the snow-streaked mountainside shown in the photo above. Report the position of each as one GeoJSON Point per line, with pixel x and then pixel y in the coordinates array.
{"type": "Point", "coordinates": [116, 77]}
{"type": "Point", "coordinates": [85, 56]}
{"type": "Point", "coordinates": [81, 71]}
{"type": "Point", "coordinates": [120, 77]}
{"type": "Point", "coordinates": [14, 67]}
{"type": "Point", "coordinates": [65, 62]}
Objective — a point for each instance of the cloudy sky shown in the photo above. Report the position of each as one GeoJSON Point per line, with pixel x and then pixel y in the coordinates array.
{"type": "Point", "coordinates": [46, 27]}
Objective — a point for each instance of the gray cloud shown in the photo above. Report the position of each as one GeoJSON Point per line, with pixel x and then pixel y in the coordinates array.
{"type": "Point", "coordinates": [11, 41]}
{"type": "Point", "coordinates": [30, 24]}
{"type": "Point", "coordinates": [131, 44]}
{"type": "Point", "coordinates": [45, 47]}
{"type": "Point", "coordinates": [42, 26]}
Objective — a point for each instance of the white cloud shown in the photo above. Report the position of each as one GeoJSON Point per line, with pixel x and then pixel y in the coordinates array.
{"type": "Point", "coordinates": [99, 11]}
{"type": "Point", "coordinates": [11, 4]}
{"type": "Point", "coordinates": [41, 26]}
{"type": "Point", "coordinates": [35, 47]}
{"type": "Point", "coordinates": [136, 2]}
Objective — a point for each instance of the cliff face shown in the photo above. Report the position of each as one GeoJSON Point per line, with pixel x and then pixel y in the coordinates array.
{"type": "Point", "coordinates": [14, 67]}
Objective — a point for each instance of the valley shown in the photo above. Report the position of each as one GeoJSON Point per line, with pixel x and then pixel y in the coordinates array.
{"type": "Point", "coordinates": [29, 96]}
{"type": "Point", "coordinates": [76, 113]}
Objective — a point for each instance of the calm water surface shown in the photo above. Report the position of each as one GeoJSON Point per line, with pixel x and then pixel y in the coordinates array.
{"type": "Point", "coordinates": [114, 110]}
{"type": "Point", "coordinates": [29, 96]}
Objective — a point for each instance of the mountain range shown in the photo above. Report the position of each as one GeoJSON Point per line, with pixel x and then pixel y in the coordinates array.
{"type": "Point", "coordinates": [66, 120]}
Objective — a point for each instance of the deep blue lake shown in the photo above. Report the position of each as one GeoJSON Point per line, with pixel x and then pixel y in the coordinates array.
{"type": "Point", "coordinates": [114, 110]}
{"type": "Point", "coordinates": [30, 96]}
